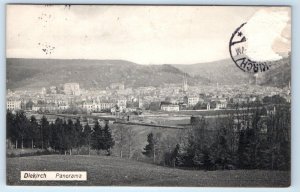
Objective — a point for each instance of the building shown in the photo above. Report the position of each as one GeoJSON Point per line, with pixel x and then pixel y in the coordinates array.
{"type": "Point", "coordinates": [221, 105]}
{"type": "Point", "coordinates": [208, 106]}
{"type": "Point", "coordinates": [63, 107]}
{"type": "Point", "coordinates": [13, 105]}
{"type": "Point", "coordinates": [122, 103]}
{"type": "Point", "coordinates": [71, 89]}
{"type": "Point", "coordinates": [53, 90]}
{"type": "Point", "coordinates": [184, 84]}
{"type": "Point", "coordinates": [107, 105]}
{"type": "Point", "coordinates": [169, 107]}
{"type": "Point", "coordinates": [193, 100]}
{"type": "Point", "coordinates": [119, 86]}
{"type": "Point", "coordinates": [44, 91]}
{"type": "Point", "coordinates": [88, 106]}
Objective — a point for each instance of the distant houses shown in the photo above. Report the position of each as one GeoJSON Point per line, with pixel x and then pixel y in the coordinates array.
{"type": "Point", "coordinates": [116, 97]}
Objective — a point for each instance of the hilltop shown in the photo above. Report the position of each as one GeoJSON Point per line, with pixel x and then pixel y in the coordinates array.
{"type": "Point", "coordinates": [226, 72]}
{"type": "Point", "coordinates": [36, 73]}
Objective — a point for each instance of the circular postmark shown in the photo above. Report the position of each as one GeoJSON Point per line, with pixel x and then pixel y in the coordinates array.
{"type": "Point", "coordinates": [238, 51]}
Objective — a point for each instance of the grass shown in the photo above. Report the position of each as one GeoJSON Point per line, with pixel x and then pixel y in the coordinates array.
{"type": "Point", "coordinates": [107, 171]}
{"type": "Point", "coordinates": [25, 152]}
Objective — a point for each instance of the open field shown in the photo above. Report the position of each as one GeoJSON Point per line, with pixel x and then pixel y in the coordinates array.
{"type": "Point", "coordinates": [105, 171]}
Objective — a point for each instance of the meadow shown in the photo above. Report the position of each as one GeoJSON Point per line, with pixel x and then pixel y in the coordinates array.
{"type": "Point", "coordinates": [114, 171]}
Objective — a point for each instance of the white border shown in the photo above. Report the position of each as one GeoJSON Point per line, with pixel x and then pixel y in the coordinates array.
{"type": "Point", "coordinates": [295, 185]}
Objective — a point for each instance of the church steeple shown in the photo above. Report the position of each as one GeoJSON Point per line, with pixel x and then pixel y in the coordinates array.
{"type": "Point", "coordinates": [184, 85]}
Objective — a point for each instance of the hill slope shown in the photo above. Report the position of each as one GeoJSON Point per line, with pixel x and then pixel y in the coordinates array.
{"type": "Point", "coordinates": [36, 73]}
{"type": "Point", "coordinates": [223, 72]}
{"type": "Point", "coordinates": [113, 171]}
{"type": "Point", "coordinates": [226, 72]}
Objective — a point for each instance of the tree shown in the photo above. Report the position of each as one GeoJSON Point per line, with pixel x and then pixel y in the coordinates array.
{"type": "Point", "coordinates": [58, 135]}
{"type": "Point", "coordinates": [97, 137]}
{"type": "Point", "coordinates": [278, 138]}
{"type": "Point", "coordinates": [174, 158]}
{"type": "Point", "coordinates": [124, 139]}
{"type": "Point", "coordinates": [29, 105]}
{"type": "Point", "coordinates": [207, 159]}
{"type": "Point", "coordinates": [200, 105]}
{"type": "Point", "coordinates": [221, 151]}
{"type": "Point", "coordinates": [44, 132]}
{"type": "Point", "coordinates": [130, 141]}
{"type": "Point", "coordinates": [77, 133]}
{"type": "Point", "coordinates": [12, 133]}
{"type": "Point", "coordinates": [121, 138]}
{"type": "Point", "coordinates": [108, 141]}
{"type": "Point", "coordinates": [243, 152]}
{"type": "Point", "coordinates": [22, 125]}
{"type": "Point", "coordinates": [34, 131]}
{"type": "Point", "coordinates": [86, 137]}
{"type": "Point", "coordinates": [149, 148]}
{"type": "Point", "coordinates": [54, 136]}
{"type": "Point", "coordinates": [175, 155]}
{"type": "Point", "coordinates": [69, 136]}
{"type": "Point", "coordinates": [152, 148]}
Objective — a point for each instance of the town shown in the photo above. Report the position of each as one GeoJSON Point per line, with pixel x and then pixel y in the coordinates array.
{"type": "Point", "coordinates": [73, 99]}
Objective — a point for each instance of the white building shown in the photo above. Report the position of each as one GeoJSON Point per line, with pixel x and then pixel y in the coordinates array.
{"type": "Point", "coordinates": [119, 86]}
{"type": "Point", "coordinates": [13, 105]}
{"type": "Point", "coordinates": [88, 106]}
{"type": "Point", "coordinates": [97, 106]}
{"type": "Point", "coordinates": [193, 100]}
{"type": "Point", "coordinates": [71, 89]}
{"type": "Point", "coordinates": [107, 105]}
{"type": "Point", "coordinates": [169, 107]}
{"type": "Point", "coordinates": [122, 103]}
{"type": "Point", "coordinates": [221, 104]}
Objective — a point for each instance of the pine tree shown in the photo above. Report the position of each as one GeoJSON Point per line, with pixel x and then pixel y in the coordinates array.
{"type": "Point", "coordinates": [207, 159]}
{"type": "Point", "coordinates": [22, 125]}
{"type": "Point", "coordinates": [69, 136]}
{"type": "Point", "coordinates": [57, 136]}
{"type": "Point", "coordinates": [34, 131]}
{"type": "Point", "coordinates": [243, 152]}
{"type": "Point", "coordinates": [149, 148]}
{"type": "Point", "coordinates": [97, 137]}
{"type": "Point", "coordinates": [222, 155]}
{"type": "Point", "coordinates": [86, 137]}
{"type": "Point", "coordinates": [175, 156]}
{"type": "Point", "coordinates": [44, 132]}
{"type": "Point", "coordinates": [11, 132]}
{"type": "Point", "coordinates": [77, 135]}
{"type": "Point", "coordinates": [53, 136]}
{"type": "Point", "coordinates": [108, 141]}
{"type": "Point", "coordinates": [64, 137]}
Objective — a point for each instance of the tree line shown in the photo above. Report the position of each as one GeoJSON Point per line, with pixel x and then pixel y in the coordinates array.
{"type": "Point", "coordinates": [62, 136]}
{"type": "Point", "coordinates": [252, 138]}
{"type": "Point", "coordinates": [238, 141]}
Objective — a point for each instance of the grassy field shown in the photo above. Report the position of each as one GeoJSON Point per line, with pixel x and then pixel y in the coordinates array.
{"type": "Point", "coordinates": [107, 171]}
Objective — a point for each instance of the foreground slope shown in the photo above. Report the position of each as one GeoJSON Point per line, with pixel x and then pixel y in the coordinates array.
{"type": "Point", "coordinates": [102, 170]}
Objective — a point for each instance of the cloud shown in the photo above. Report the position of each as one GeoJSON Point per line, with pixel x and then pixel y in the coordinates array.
{"type": "Point", "coordinates": [142, 34]}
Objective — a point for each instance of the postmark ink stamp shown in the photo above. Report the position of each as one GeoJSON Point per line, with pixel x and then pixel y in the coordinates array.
{"type": "Point", "coordinates": [238, 51]}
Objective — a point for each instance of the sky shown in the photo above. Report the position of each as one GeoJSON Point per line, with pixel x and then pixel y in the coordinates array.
{"type": "Point", "coordinates": [142, 34]}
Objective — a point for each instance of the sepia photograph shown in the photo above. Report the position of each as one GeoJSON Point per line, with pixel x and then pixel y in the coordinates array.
{"type": "Point", "coordinates": [148, 95]}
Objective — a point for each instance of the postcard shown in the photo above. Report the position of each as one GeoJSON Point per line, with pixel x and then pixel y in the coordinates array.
{"type": "Point", "coordinates": [148, 95]}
